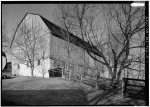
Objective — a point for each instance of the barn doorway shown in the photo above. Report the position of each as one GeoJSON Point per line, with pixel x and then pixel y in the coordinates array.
{"type": "Point", "coordinates": [57, 69]}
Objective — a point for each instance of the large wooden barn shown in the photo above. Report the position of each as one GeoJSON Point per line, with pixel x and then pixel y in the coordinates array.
{"type": "Point", "coordinates": [56, 50]}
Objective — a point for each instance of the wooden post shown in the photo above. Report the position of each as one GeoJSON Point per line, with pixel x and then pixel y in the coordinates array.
{"type": "Point", "coordinates": [62, 73]}
{"type": "Point", "coordinates": [123, 86]}
{"type": "Point", "coordinates": [69, 75]}
{"type": "Point", "coordinates": [81, 77]}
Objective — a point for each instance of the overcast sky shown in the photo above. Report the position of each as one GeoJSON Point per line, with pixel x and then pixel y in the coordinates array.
{"type": "Point", "coordinates": [13, 13]}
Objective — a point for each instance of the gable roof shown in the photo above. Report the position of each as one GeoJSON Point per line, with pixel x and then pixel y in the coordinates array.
{"type": "Point", "coordinates": [61, 33]}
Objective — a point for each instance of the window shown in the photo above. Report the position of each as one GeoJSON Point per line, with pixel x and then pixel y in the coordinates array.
{"type": "Point", "coordinates": [38, 62]}
{"type": "Point", "coordinates": [18, 66]}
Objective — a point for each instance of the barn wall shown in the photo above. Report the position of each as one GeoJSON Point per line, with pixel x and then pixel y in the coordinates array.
{"type": "Point", "coordinates": [43, 68]}
{"type": "Point", "coordinates": [79, 60]}
{"type": "Point", "coordinates": [56, 51]}
{"type": "Point", "coordinates": [59, 51]}
{"type": "Point", "coordinates": [39, 70]}
{"type": "Point", "coordinates": [42, 33]}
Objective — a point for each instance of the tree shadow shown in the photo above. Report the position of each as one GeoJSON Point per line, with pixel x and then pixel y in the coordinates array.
{"type": "Point", "coordinates": [104, 95]}
{"type": "Point", "coordinates": [44, 97]}
{"type": "Point", "coordinates": [127, 101]}
{"type": "Point", "coordinates": [113, 97]}
{"type": "Point", "coordinates": [91, 91]}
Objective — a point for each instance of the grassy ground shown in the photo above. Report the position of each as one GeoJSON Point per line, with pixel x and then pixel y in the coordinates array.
{"type": "Point", "coordinates": [40, 91]}
{"type": "Point", "coordinates": [57, 91]}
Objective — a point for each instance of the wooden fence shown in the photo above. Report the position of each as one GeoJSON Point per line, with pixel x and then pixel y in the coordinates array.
{"type": "Point", "coordinates": [134, 88]}
{"type": "Point", "coordinates": [90, 80]}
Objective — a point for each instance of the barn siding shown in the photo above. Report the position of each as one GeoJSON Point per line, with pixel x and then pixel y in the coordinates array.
{"type": "Point", "coordinates": [56, 51]}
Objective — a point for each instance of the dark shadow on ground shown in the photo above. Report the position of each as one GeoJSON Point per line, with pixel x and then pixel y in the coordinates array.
{"type": "Point", "coordinates": [91, 91]}
{"type": "Point", "coordinates": [9, 77]}
{"type": "Point", "coordinates": [113, 97]}
{"type": "Point", "coordinates": [105, 94]}
{"type": "Point", "coordinates": [44, 97]}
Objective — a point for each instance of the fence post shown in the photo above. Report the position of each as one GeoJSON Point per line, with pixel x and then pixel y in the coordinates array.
{"type": "Point", "coordinates": [62, 70]}
{"type": "Point", "coordinates": [69, 75]}
{"type": "Point", "coordinates": [81, 77]}
{"type": "Point", "coordinates": [123, 86]}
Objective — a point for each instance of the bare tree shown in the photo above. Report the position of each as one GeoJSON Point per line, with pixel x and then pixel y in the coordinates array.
{"type": "Point", "coordinates": [43, 68]}
{"type": "Point", "coordinates": [79, 18]}
{"type": "Point", "coordinates": [115, 42]}
{"type": "Point", "coordinates": [25, 46]}
{"type": "Point", "coordinates": [69, 48]}
{"type": "Point", "coordinates": [43, 46]}
{"type": "Point", "coordinates": [5, 37]}
{"type": "Point", "coordinates": [97, 73]}
{"type": "Point", "coordinates": [65, 23]}
{"type": "Point", "coordinates": [4, 42]}
{"type": "Point", "coordinates": [123, 23]}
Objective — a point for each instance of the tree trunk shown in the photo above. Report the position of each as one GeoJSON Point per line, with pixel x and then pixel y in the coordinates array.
{"type": "Point", "coordinates": [118, 77]}
{"type": "Point", "coordinates": [97, 77]}
{"type": "Point", "coordinates": [68, 71]}
{"type": "Point", "coordinates": [127, 73]}
{"type": "Point", "coordinates": [139, 66]}
{"type": "Point", "coordinates": [32, 74]}
{"type": "Point", "coordinates": [114, 78]}
{"type": "Point", "coordinates": [70, 75]}
{"type": "Point", "coordinates": [68, 61]}
{"type": "Point", "coordinates": [81, 76]}
{"type": "Point", "coordinates": [124, 73]}
{"type": "Point", "coordinates": [63, 73]}
{"type": "Point", "coordinates": [114, 71]}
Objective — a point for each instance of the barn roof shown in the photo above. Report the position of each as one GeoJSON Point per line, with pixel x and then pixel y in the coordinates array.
{"type": "Point", "coordinates": [61, 33]}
